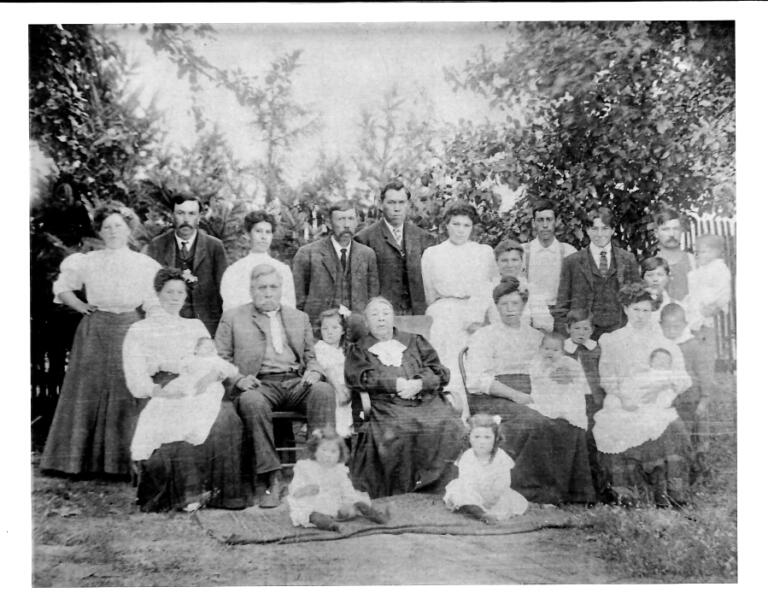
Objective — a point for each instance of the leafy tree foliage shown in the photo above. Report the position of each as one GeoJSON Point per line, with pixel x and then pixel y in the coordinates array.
{"type": "Point", "coordinates": [633, 116]}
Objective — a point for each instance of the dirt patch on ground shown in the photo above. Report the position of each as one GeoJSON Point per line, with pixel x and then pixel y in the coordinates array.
{"type": "Point", "coordinates": [90, 534]}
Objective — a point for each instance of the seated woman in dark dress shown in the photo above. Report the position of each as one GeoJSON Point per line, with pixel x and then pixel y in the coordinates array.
{"type": "Point", "coordinates": [181, 474]}
{"type": "Point", "coordinates": [413, 435]}
{"type": "Point", "coordinates": [551, 460]}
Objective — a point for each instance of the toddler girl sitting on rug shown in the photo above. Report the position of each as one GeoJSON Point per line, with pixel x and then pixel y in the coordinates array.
{"type": "Point", "coordinates": [321, 490]}
{"type": "Point", "coordinates": [483, 490]}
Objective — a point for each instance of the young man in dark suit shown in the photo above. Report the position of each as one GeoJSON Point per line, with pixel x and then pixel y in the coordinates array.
{"type": "Point", "coordinates": [590, 278]}
{"type": "Point", "coordinates": [398, 244]}
{"type": "Point", "coordinates": [200, 256]}
{"type": "Point", "coordinates": [335, 271]}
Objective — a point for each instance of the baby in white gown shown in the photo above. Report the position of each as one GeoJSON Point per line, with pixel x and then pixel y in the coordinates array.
{"type": "Point", "coordinates": [184, 412]}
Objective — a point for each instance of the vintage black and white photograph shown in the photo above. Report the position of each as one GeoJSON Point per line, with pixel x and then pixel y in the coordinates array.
{"type": "Point", "coordinates": [382, 302]}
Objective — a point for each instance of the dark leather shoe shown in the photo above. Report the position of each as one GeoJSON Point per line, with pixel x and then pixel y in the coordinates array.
{"type": "Point", "coordinates": [270, 500]}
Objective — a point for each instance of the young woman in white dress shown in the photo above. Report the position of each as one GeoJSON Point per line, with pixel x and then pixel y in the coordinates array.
{"type": "Point", "coordinates": [459, 275]}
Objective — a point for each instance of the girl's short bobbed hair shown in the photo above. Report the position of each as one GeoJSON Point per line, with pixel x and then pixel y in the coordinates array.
{"type": "Point", "coordinates": [486, 420]}
{"type": "Point", "coordinates": [113, 207]}
{"type": "Point", "coordinates": [636, 292]}
{"type": "Point", "coordinates": [509, 286]}
{"type": "Point", "coordinates": [461, 209]}
{"type": "Point", "coordinates": [328, 433]}
{"type": "Point", "coordinates": [168, 274]}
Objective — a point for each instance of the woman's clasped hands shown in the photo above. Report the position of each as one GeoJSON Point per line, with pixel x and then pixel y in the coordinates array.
{"type": "Point", "coordinates": [408, 388]}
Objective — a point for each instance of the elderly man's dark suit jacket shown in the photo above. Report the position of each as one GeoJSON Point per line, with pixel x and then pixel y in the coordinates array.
{"type": "Point", "coordinates": [317, 277]}
{"type": "Point", "coordinates": [390, 259]}
{"type": "Point", "coordinates": [241, 338]}
{"type": "Point", "coordinates": [208, 265]}
{"type": "Point", "coordinates": [582, 287]}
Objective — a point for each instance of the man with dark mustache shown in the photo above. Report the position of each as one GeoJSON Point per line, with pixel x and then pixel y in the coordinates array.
{"type": "Point", "coordinates": [200, 256]}
{"type": "Point", "coordinates": [335, 271]}
{"type": "Point", "coordinates": [669, 234]}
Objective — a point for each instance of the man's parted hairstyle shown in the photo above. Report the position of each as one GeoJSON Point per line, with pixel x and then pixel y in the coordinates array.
{"type": "Point", "coordinates": [183, 196]}
{"type": "Point", "coordinates": [253, 218]}
{"type": "Point", "coordinates": [604, 214]}
{"type": "Point", "coordinates": [509, 286]}
{"type": "Point", "coordinates": [264, 269]}
{"type": "Point", "coordinates": [394, 185]}
{"type": "Point", "coordinates": [667, 214]}
{"type": "Point", "coordinates": [541, 205]}
{"type": "Point", "coordinates": [338, 206]}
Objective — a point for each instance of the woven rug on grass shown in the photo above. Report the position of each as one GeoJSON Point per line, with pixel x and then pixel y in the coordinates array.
{"type": "Point", "coordinates": [409, 513]}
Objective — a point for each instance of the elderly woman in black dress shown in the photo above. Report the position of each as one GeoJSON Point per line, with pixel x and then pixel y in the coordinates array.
{"type": "Point", "coordinates": [413, 435]}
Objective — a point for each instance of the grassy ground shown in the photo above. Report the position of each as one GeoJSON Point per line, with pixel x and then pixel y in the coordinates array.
{"type": "Point", "coordinates": [694, 544]}
{"type": "Point", "coordinates": [90, 534]}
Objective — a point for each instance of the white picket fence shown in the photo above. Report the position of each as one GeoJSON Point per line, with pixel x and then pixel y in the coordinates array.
{"type": "Point", "coordinates": [725, 323]}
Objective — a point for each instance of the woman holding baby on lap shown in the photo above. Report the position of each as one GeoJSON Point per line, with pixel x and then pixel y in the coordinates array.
{"type": "Point", "coordinates": [187, 443]}
{"type": "Point", "coordinates": [644, 447]}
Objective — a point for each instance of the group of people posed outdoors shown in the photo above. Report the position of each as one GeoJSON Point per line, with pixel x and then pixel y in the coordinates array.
{"type": "Point", "coordinates": [548, 375]}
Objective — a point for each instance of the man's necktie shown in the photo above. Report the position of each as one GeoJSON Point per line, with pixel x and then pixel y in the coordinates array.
{"type": "Point", "coordinates": [603, 263]}
{"type": "Point", "coordinates": [275, 331]}
{"type": "Point", "coordinates": [344, 260]}
{"type": "Point", "coordinates": [398, 233]}
{"type": "Point", "coordinates": [184, 250]}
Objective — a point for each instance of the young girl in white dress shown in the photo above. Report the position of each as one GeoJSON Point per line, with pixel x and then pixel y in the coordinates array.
{"type": "Point", "coordinates": [321, 490]}
{"type": "Point", "coordinates": [483, 490]}
{"type": "Point", "coordinates": [558, 384]}
{"type": "Point", "coordinates": [186, 408]}
{"type": "Point", "coordinates": [329, 352]}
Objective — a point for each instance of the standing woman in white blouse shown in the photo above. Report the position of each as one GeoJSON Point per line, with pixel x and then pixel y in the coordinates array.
{"type": "Point", "coordinates": [235, 283]}
{"type": "Point", "coordinates": [459, 276]}
{"type": "Point", "coordinates": [96, 414]}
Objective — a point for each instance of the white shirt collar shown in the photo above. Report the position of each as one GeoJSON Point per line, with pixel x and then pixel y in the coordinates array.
{"type": "Point", "coordinates": [570, 347]}
{"type": "Point", "coordinates": [537, 246]}
{"type": "Point", "coordinates": [392, 229]}
{"type": "Point", "coordinates": [595, 251]}
{"type": "Point", "coordinates": [337, 247]}
{"type": "Point", "coordinates": [189, 241]}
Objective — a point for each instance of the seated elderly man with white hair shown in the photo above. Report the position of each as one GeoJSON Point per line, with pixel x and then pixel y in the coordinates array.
{"type": "Point", "coordinates": [273, 348]}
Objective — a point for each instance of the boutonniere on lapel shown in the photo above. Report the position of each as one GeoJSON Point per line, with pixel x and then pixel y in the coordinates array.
{"type": "Point", "coordinates": [188, 277]}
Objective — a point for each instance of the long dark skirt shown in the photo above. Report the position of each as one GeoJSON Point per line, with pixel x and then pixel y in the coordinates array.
{"type": "Point", "coordinates": [551, 458]}
{"type": "Point", "coordinates": [179, 473]}
{"type": "Point", "coordinates": [404, 449]}
{"type": "Point", "coordinates": [657, 471]}
{"type": "Point", "coordinates": [96, 414]}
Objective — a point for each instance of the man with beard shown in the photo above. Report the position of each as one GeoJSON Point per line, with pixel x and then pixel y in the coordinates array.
{"type": "Point", "coordinates": [200, 257]}
{"type": "Point", "coordinates": [669, 232]}
{"type": "Point", "coordinates": [335, 271]}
